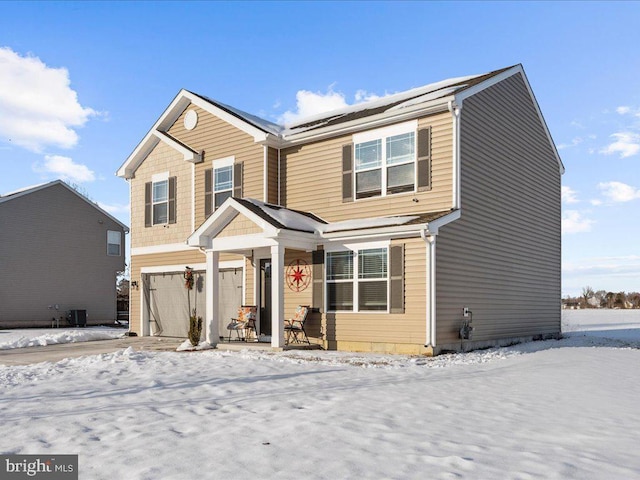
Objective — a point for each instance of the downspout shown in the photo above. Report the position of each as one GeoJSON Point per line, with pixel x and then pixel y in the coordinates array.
{"type": "Point", "coordinates": [455, 110]}
{"type": "Point", "coordinates": [265, 174]}
{"type": "Point", "coordinates": [429, 238]}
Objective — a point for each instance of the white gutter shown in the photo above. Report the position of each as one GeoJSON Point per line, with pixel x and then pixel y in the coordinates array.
{"type": "Point", "coordinates": [455, 110]}
{"type": "Point", "coordinates": [430, 323]}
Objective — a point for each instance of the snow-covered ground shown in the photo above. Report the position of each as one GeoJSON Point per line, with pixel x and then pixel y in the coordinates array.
{"type": "Point", "coordinates": [563, 409]}
{"type": "Point", "coordinates": [33, 337]}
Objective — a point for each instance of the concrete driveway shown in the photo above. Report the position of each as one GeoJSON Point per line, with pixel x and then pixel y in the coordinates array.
{"type": "Point", "coordinates": [54, 353]}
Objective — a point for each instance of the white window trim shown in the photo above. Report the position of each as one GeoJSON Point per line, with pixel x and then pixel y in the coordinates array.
{"type": "Point", "coordinates": [355, 248]}
{"type": "Point", "coordinates": [157, 178]}
{"type": "Point", "coordinates": [216, 165]}
{"type": "Point", "coordinates": [119, 254]}
{"type": "Point", "coordinates": [382, 134]}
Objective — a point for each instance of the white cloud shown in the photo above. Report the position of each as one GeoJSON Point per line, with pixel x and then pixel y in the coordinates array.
{"type": "Point", "coordinates": [618, 191]}
{"type": "Point", "coordinates": [568, 195]}
{"type": "Point", "coordinates": [38, 107]}
{"type": "Point", "coordinates": [66, 169]}
{"type": "Point", "coordinates": [312, 103]}
{"type": "Point", "coordinates": [574, 222]}
{"type": "Point", "coordinates": [574, 143]}
{"type": "Point", "coordinates": [309, 104]}
{"type": "Point", "coordinates": [115, 208]}
{"type": "Point", "coordinates": [595, 202]}
{"type": "Point", "coordinates": [623, 110]}
{"type": "Point", "coordinates": [626, 144]}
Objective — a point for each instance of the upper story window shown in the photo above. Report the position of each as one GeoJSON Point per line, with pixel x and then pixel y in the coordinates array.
{"type": "Point", "coordinates": [222, 181]}
{"type": "Point", "coordinates": [222, 184]}
{"type": "Point", "coordinates": [114, 243]}
{"type": "Point", "coordinates": [386, 161]}
{"type": "Point", "coordinates": [160, 200]}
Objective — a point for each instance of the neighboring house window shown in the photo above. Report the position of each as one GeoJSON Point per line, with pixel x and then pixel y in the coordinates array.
{"type": "Point", "coordinates": [222, 181]}
{"type": "Point", "coordinates": [387, 161]}
{"type": "Point", "coordinates": [357, 280]}
{"type": "Point", "coordinates": [114, 243]}
{"type": "Point", "coordinates": [160, 200]}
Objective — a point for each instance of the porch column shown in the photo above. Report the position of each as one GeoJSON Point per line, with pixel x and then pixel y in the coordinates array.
{"type": "Point", "coordinates": [277, 296]}
{"type": "Point", "coordinates": [212, 288]}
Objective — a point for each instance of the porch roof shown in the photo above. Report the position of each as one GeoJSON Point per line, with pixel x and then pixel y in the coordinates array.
{"type": "Point", "coordinates": [305, 227]}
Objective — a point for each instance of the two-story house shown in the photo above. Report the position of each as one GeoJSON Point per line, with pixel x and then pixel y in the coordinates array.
{"type": "Point", "coordinates": [400, 221]}
{"type": "Point", "coordinates": [59, 253]}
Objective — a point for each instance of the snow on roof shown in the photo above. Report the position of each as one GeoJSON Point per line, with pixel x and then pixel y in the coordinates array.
{"type": "Point", "coordinates": [289, 219]}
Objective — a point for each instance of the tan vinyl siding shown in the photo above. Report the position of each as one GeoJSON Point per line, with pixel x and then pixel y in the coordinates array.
{"type": "Point", "coordinates": [383, 328]}
{"type": "Point", "coordinates": [178, 259]}
{"type": "Point", "coordinates": [240, 225]}
{"type": "Point", "coordinates": [249, 284]}
{"type": "Point", "coordinates": [313, 178]}
{"type": "Point", "coordinates": [272, 176]}
{"type": "Point", "coordinates": [502, 258]}
{"type": "Point", "coordinates": [293, 298]}
{"type": "Point", "coordinates": [219, 139]}
{"type": "Point", "coordinates": [163, 158]}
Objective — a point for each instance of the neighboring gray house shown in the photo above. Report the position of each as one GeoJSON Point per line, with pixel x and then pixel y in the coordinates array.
{"type": "Point", "coordinates": [58, 252]}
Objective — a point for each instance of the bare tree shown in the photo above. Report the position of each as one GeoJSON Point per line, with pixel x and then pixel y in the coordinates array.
{"type": "Point", "coordinates": [587, 293]}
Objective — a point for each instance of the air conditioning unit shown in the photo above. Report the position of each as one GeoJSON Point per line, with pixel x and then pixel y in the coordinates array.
{"type": "Point", "coordinates": [77, 318]}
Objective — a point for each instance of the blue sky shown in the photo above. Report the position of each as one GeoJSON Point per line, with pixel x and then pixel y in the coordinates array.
{"type": "Point", "coordinates": [82, 83]}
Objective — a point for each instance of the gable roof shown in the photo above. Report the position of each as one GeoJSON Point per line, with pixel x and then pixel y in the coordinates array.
{"type": "Point", "coordinates": [406, 105]}
{"type": "Point", "coordinates": [36, 188]}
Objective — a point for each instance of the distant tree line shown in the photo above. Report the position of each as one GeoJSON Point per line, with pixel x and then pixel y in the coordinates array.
{"type": "Point", "coordinates": [603, 299]}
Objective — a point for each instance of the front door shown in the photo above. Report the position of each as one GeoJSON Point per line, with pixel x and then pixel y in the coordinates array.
{"type": "Point", "coordinates": [265, 296]}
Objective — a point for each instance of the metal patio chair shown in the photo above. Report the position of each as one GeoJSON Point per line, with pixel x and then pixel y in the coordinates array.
{"type": "Point", "coordinates": [294, 327]}
{"type": "Point", "coordinates": [245, 323]}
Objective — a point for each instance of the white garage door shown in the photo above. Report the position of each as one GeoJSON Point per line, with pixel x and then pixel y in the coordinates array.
{"type": "Point", "coordinates": [169, 304]}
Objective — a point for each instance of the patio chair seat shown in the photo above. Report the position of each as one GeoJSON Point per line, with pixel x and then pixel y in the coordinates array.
{"type": "Point", "coordinates": [294, 327]}
{"type": "Point", "coordinates": [246, 323]}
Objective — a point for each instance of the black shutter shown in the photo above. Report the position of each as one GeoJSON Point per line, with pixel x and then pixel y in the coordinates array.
{"type": "Point", "coordinates": [396, 278]}
{"type": "Point", "coordinates": [148, 205]}
{"type": "Point", "coordinates": [318, 279]}
{"type": "Point", "coordinates": [347, 173]}
{"type": "Point", "coordinates": [237, 180]}
{"type": "Point", "coordinates": [424, 159]}
{"type": "Point", "coordinates": [172, 199]}
{"type": "Point", "coordinates": [208, 192]}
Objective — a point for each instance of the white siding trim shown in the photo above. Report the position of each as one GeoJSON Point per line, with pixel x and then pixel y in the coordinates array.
{"type": "Point", "coordinates": [223, 162]}
{"type": "Point", "coordinates": [390, 131]}
{"type": "Point", "coordinates": [160, 177]}
{"type": "Point", "coordinates": [165, 248]}
{"type": "Point", "coordinates": [193, 197]}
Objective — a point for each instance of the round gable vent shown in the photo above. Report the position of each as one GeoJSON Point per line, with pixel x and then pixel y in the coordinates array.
{"type": "Point", "coordinates": [190, 120]}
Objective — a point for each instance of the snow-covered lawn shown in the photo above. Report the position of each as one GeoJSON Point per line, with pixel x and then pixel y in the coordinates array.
{"type": "Point", "coordinates": [33, 337]}
{"type": "Point", "coordinates": [563, 409]}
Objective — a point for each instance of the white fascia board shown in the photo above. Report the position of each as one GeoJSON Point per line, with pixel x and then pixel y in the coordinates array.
{"type": "Point", "coordinates": [374, 121]}
{"type": "Point", "coordinates": [433, 226]}
{"type": "Point", "coordinates": [188, 154]}
{"type": "Point", "coordinates": [164, 248]}
{"type": "Point", "coordinates": [242, 242]}
{"type": "Point", "coordinates": [173, 268]}
{"type": "Point", "coordinates": [257, 134]}
{"type": "Point", "coordinates": [460, 97]}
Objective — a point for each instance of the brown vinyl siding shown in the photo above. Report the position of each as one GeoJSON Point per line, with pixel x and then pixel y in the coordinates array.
{"type": "Point", "coordinates": [163, 158]}
{"type": "Point", "coordinates": [374, 327]}
{"type": "Point", "coordinates": [219, 139]}
{"type": "Point", "coordinates": [240, 225]}
{"type": "Point", "coordinates": [502, 257]}
{"type": "Point", "coordinates": [312, 174]}
{"type": "Point", "coordinates": [53, 251]}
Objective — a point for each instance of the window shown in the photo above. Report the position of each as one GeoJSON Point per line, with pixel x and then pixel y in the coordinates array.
{"type": "Point", "coordinates": [222, 184]}
{"type": "Point", "coordinates": [114, 243]}
{"type": "Point", "coordinates": [365, 291]}
{"type": "Point", "coordinates": [160, 201]}
{"type": "Point", "coordinates": [385, 165]}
